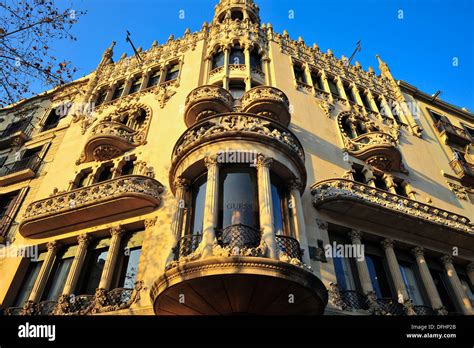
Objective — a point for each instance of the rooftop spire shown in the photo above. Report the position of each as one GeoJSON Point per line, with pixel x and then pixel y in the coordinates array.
{"type": "Point", "coordinates": [237, 10]}
{"type": "Point", "coordinates": [383, 67]}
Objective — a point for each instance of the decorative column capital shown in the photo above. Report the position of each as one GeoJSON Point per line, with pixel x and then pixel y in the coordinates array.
{"type": "Point", "coordinates": [84, 239]}
{"type": "Point", "coordinates": [446, 260]}
{"type": "Point", "coordinates": [53, 246]}
{"type": "Point", "coordinates": [387, 244]}
{"type": "Point", "coordinates": [295, 184]}
{"type": "Point", "coordinates": [322, 225]}
{"type": "Point", "coordinates": [211, 161]}
{"type": "Point", "coordinates": [263, 161]}
{"type": "Point", "coordinates": [355, 236]}
{"type": "Point", "coordinates": [418, 252]}
{"type": "Point", "coordinates": [182, 183]}
{"type": "Point", "coordinates": [117, 230]}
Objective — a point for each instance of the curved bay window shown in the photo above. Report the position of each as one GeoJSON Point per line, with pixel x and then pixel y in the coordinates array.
{"type": "Point", "coordinates": [218, 60]}
{"type": "Point", "coordinates": [198, 192]}
{"type": "Point", "coordinates": [237, 56]}
{"type": "Point", "coordinates": [238, 201]}
{"type": "Point", "coordinates": [281, 219]}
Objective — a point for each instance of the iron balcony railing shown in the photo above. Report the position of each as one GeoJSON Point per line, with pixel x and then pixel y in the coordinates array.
{"type": "Point", "coordinates": [289, 246]}
{"type": "Point", "coordinates": [391, 306]}
{"type": "Point", "coordinates": [238, 236]}
{"type": "Point", "coordinates": [187, 245]}
{"type": "Point", "coordinates": [30, 162]}
{"type": "Point", "coordinates": [424, 310]}
{"type": "Point", "coordinates": [457, 134]}
{"type": "Point", "coordinates": [354, 300]}
{"type": "Point", "coordinates": [24, 126]}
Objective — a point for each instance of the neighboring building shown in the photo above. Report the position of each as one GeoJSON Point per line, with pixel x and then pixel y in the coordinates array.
{"type": "Point", "coordinates": [215, 171]}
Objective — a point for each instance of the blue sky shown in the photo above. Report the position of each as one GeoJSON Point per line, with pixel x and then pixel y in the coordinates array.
{"type": "Point", "coordinates": [419, 48]}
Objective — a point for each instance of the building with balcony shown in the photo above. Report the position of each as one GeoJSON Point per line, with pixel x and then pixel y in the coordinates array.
{"type": "Point", "coordinates": [235, 170]}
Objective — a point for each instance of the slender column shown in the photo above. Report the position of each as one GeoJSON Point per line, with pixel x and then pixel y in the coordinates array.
{"type": "Point", "coordinates": [362, 268]}
{"type": "Point", "coordinates": [427, 279]}
{"type": "Point", "coordinates": [163, 71]}
{"type": "Point", "coordinates": [324, 80]}
{"type": "Point", "coordinates": [127, 85]}
{"type": "Point", "coordinates": [207, 69]}
{"type": "Point", "coordinates": [327, 270]}
{"type": "Point", "coordinates": [470, 272]}
{"type": "Point", "coordinates": [266, 70]}
{"type": "Point", "coordinates": [391, 185]}
{"type": "Point", "coordinates": [410, 191]}
{"type": "Point", "coordinates": [43, 275]}
{"type": "Point", "coordinates": [108, 272]}
{"type": "Point", "coordinates": [211, 207]}
{"type": "Point", "coordinates": [369, 177]}
{"type": "Point", "coordinates": [340, 87]}
{"type": "Point", "coordinates": [299, 223]}
{"type": "Point", "coordinates": [394, 268]}
{"type": "Point", "coordinates": [146, 77]}
{"type": "Point", "coordinates": [355, 91]}
{"type": "Point", "coordinates": [459, 293]}
{"type": "Point", "coordinates": [265, 204]}
{"type": "Point", "coordinates": [177, 221]}
{"type": "Point", "coordinates": [77, 264]}
{"type": "Point", "coordinates": [225, 81]}
{"type": "Point", "coordinates": [248, 79]}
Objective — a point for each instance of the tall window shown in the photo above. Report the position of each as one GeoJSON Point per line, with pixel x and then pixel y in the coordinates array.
{"type": "Point", "coordinates": [237, 88]}
{"type": "Point", "coordinates": [317, 81]}
{"type": "Point", "coordinates": [197, 208]}
{"type": "Point", "coordinates": [128, 167]}
{"type": "Point", "coordinates": [238, 197]}
{"type": "Point", "coordinates": [299, 73]}
{"type": "Point", "coordinates": [349, 93]}
{"type": "Point", "coordinates": [218, 60]}
{"type": "Point", "coordinates": [358, 175]}
{"type": "Point", "coordinates": [236, 56]}
{"type": "Point", "coordinates": [58, 275]}
{"type": "Point", "coordinates": [344, 274]}
{"type": "Point", "coordinates": [105, 173]}
{"type": "Point", "coordinates": [90, 275]}
{"type": "Point", "coordinates": [172, 73]}
{"type": "Point", "coordinates": [255, 60]}
{"type": "Point", "coordinates": [443, 290]}
{"type": "Point", "coordinates": [54, 117]}
{"type": "Point", "coordinates": [366, 101]}
{"type": "Point", "coordinates": [118, 90]}
{"type": "Point", "coordinates": [29, 281]}
{"type": "Point", "coordinates": [380, 183]}
{"type": "Point", "coordinates": [468, 289]}
{"type": "Point", "coordinates": [127, 266]}
{"type": "Point", "coordinates": [412, 284]}
{"type": "Point", "coordinates": [135, 87]}
{"type": "Point", "coordinates": [101, 97]}
{"type": "Point", "coordinates": [279, 206]}
{"type": "Point", "coordinates": [154, 79]}
{"type": "Point", "coordinates": [333, 86]}
{"type": "Point", "coordinates": [378, 276]}
{"type": "Point", "coordinates": [84, 178]}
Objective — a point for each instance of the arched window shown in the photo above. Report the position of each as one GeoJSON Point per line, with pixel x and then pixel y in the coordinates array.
{"type": "Point", "coordinates": [236, 14]}
{"type": "Point", "coordinates": [104, 173]}
{"type": "Point", "coordinates": [255, 60]}
{"type": "Point", "coordinates": [118, 90]}
{"type": "Point", "coordinates": [237, 56]}
{"type": "Point", "coordinates": [218, 60]}
{"type": "Point", "coordinates": [140, 120]}
{"type": "Point", "coordinates": [128, 167]}
{"type": "Point", "coordinates": [238, 203]}
{"type": "Point", "coordinates": [83, 179]}
{"type": "Point", "coordinates": [360, 127]}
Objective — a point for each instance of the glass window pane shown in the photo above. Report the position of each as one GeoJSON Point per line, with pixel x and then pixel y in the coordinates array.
{"type": "Point", "coordinates": [154, 79]}
{"type": "Point", "coordinates": [237, 57]}
{"type": "Point", "coordinates": [239, 202]}
{"type": "Point", "coordinates": [218, 60]}
{"type": "Point", "coordinates": [28, 283]}
{"type": "Point", "coordinates": [93, 271]}
{"type": "Point", "coordinates": [173, 73]}
{"type": "Point", "coordinates": [344, 275]}
{"type": "Point", "coordinates": [199, 200]}
{"type": "Point", "coordinates": [412, 285]}
{"type": "Point", "coordinates": [378, 276]}
{"type": "Point", "coordinates": [277, 198]}
{"type": "Point", "coordinates": [130, 268]}
{"type": "Point", "coordinates": [57, 280]}
{"type": "Point", "coordinates": [136, 86]}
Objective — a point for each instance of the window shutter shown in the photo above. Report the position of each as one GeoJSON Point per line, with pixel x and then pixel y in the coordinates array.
{"type": "Point", "coordinates": [12, 211]}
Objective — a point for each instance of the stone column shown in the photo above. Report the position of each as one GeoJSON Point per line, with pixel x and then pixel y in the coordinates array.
{"type": "Point", "coordinates": [369, 176]}
{"type": "Point", "coordinates": [248, 76]}
{"type": "Point", "coordinates": [324, 80]}
{"type": "Point", "coordinates": [340, 87]}
{"type": "Point", "coordinates": [266, 70]}
{"type": "Point", "coordinates": [391, 185]}
{"type": "Point", "coordinates": [211, 208]}
{"type": "Point", "coordinates": [355, 91]}
{"type": "Point", "coordinates": [265, 205]}
{"type": "Point", "coordinates": [207, 69]}
{"type": "Point", "coordinates": [299, 223]}
{"type": "Point", "coordinates": [181, 185]}
{"type": "Point", "coordinates": [362, 268]}
{"type": "Point", "coordinates": [470, 272]}
{"type": "Point", "coordinates": [146, 78]}
{"type": "Point", "coordinates": [114, 249]}
{"type": "Point", "coordinates": [225, 80]}
{"type": "Point", "coordinates": [41, 280]}
{"type": "Point", "coordinates": [427, 279]}
{"type": "Point", "coordinates": [394, 268]}
{"type": "Point", "coordinates": [327, 270]}
{"type": "Point", "coordinates": [77, 263]}
{"type": "Point", "coordinates": [459, 293]}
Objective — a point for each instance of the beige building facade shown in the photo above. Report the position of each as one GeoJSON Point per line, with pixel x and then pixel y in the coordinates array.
{"type": "Point", "coordinates": [235, 170]}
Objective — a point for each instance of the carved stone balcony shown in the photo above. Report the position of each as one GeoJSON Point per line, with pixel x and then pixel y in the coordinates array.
{"type": "Point", "coordinates": [103, 202]}
{"type": "Point", "coordinates": [206, 101]}
{"type": "Point", "coordinates": [269, 102]}
{"type": "Point", "coordinates": [110, 139]}
{"type": "Point", "coordinates": [452, 134]}
{"type": "Point", "coordinates": [378, 149]}
{"type": "Point", "coordinates": [236, 268]}
{"type": "Point", "coordinates": [239, 126]}
{"type": "Point", "coordinates": [16, 133]}
{"type": "Point", "coordinates": [464, 170]}
{"type": "Point", "coordinates": [20, 170]}
{"type": "Point", "coordinates": [359, 201]}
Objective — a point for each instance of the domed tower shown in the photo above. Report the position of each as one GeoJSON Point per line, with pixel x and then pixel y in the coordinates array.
{"type": "Point", "coordinates": [237, 9]}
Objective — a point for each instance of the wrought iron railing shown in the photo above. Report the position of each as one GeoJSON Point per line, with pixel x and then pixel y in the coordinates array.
{"type": "Point", "coordinates": [14, 311]}
{"type": "Point", "coordinates": [80, 303]}
{"type": "Point", "coordinates": [119, 296]}
{"type": "Point", "coordinates": [239, 235]}
{"type": "Point", "coordinates": [289, 246]}
{"type": "Point", "coordinates": [391, 306]}
{"type": "Point", "coordinates": [187, 245]}
{"type": "Point", "coordinates": [354, 300]}
{"type": "Point", "coordinates": [46, 307]}
{"type": "Point", "coordinates": [24, 126]}
{"type": "Point", "coordinates": [424, 310]}
{"type": "Point", "coordinates": [445, 126]}
{"type": "Point", "coordinates": [30, 162]}
{"type": "Point", "coordinates": [462, 168]}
